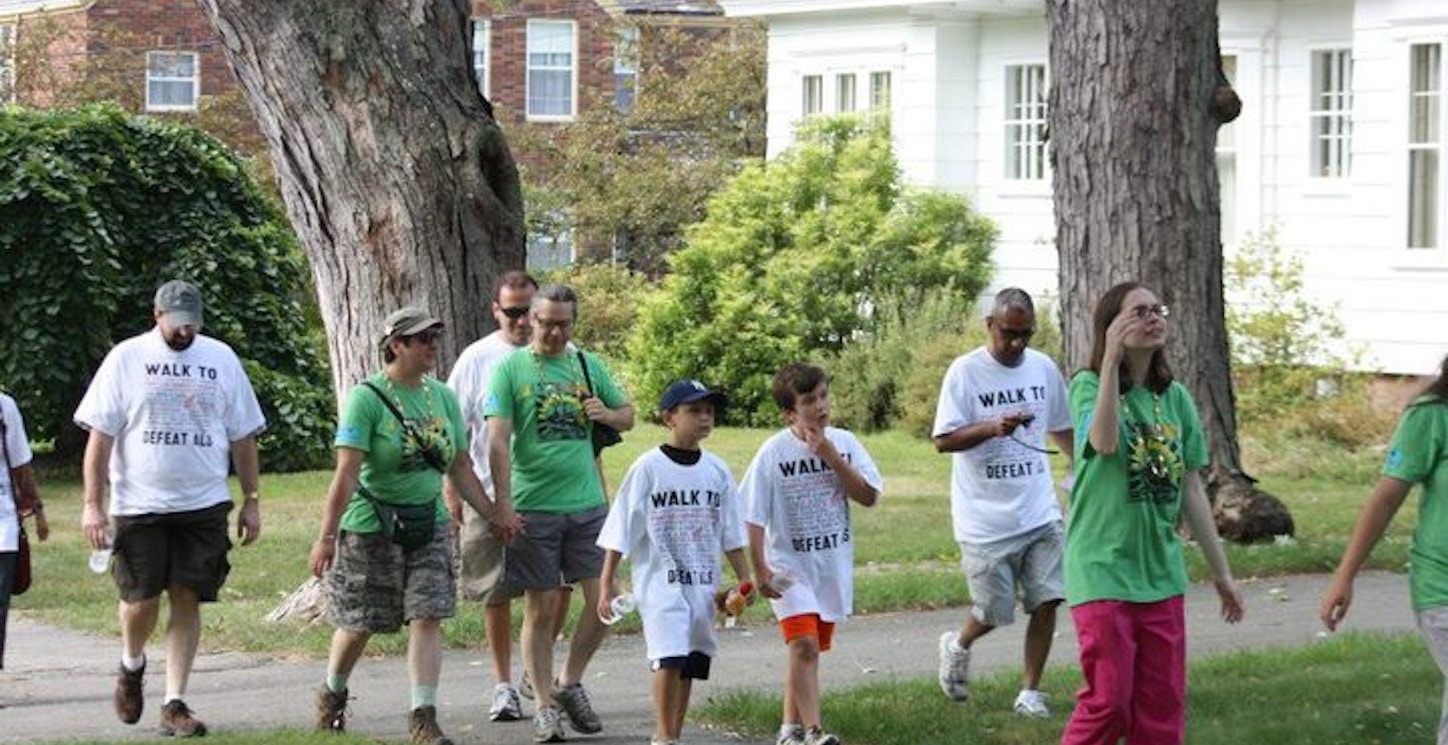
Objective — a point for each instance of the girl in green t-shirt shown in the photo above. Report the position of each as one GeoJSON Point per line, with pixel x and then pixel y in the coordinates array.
{"type": "Point", "coordinates": [1137, 473]}
{"type": "Point", "coordinates": [1418, 455]}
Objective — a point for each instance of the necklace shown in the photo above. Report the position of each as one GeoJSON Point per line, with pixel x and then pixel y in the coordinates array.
{"type": "Point", "coordinates": [397, 398]}
{"type": "Point", "coordinates": [541, 368]}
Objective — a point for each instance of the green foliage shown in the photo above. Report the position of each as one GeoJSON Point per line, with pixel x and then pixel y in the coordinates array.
{"type": "Point", "coordinates": [96, 210]}
{"type": "Point", "coordinates": [1290, 358]}
{"type": "Point", "coordinates": [608, 299]}
{"type": "Point", "coordinates": [793, 258]}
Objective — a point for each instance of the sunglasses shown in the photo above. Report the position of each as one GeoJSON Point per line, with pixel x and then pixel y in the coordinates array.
{"type": "Point", "coordinates": [1159, 310]}
{"type": "Point", "coordinates": [515, 312]}
{"type": "Point", "coordinates": [1016, 334]}
{"type": "Point", "coordinates": [424, 337]}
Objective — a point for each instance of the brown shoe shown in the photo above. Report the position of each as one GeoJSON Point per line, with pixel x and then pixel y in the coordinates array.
{"type": "Point", "coordinates": [422, 726]}
{"type": "Point", "coordinates": [331, 710]}
{"type": "Point", "coordinates": [177, 720]}
{"type": "Point", "coordinates": [129, 699]}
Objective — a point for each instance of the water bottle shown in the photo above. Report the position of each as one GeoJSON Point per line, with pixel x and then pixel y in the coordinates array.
{"type": "Point", "coordinates": [780, 582]}
{"type": "Point", "coordinates": [100, 559]}
{"type": "Point", "coordinates": [620, 606]}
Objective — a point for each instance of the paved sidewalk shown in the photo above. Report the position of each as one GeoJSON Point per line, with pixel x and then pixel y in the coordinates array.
{"type": "Point", "coordinates": [57, 676]}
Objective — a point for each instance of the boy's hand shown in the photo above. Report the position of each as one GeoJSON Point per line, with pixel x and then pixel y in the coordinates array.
{"type": "Point", "coordinates": [815, 440]}
{"type": "Point", "coordinates": [606, 595]}
{"type": "Point", "coordinates": [763, 579]}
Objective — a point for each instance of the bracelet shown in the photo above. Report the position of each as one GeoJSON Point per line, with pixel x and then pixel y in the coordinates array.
{"type": "Point", "coordinates": [252, 496]}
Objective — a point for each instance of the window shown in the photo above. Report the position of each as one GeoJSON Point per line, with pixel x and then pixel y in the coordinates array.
{"type": "Point", "coordinates": [1227, 162]}
{"type": "Point", "coordinates": [173, 81]}
{"type": "Point", "coordinates": [482, 54]}
{"type": "Point", "coordinates": [1331, 113]}
{"type": "Point", "coordinates": [551, 75]}
{"type": "Point", "coordinates": [1026, 122]}
{"type": "Point", "coordinates": [814, 95]}
{"type": "Point", "coordinates": [625, 67]}
{"type": "Point", "coordinates": [880, 91]}
{"type": "Point", "coordinates": [7, 62]}
{"type": "Point", "coordinates": [1425, 144]}
{"type": "Point", "coordinates": [845, 92]}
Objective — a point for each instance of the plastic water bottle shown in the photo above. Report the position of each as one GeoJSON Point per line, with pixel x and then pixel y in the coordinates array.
{"type": "Point", "coordinates": [620, 606]}
{"type": "Point", "coordinates": [100, 559]}
{"type": "Point", "coordinates": [781, 582]}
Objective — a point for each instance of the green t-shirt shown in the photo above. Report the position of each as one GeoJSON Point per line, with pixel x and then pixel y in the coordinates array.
{"type": "Point", "coordinates": [552, 453]}
{"type": "Point", "coordinates": [1121, 541]}
{"type": "Point", "coordinates": [1419, 455]}
{"type": "Point", "coordinates": [394, 469]}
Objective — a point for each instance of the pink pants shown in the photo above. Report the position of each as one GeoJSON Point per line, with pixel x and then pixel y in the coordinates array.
{"type": "Point", "coordinates": [1134, 659]}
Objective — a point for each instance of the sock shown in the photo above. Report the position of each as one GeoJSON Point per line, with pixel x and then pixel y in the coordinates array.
{"type": "Point", "coordinates": [133, 663]}
{"type": "Point", "coordinates": [336, 683]}
{"type": "Point", "coordinates": [424, 696]}
{"type": "Point", "coordinates": [957, 646]}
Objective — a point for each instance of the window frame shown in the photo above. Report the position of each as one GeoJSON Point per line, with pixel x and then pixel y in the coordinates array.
{"type": "Point", "coordinates": [482, 50]}
{"type": "Point", "coordinates": [877, 102]}
{"type": "Point", "coordinates": [1330, 126]}
{"type": "Point", "coordinates": [626, 65]}
{"type": "Point", "coordinates": [529, 68]}
{"type": "Point", "coordinates": [847, 87]}
{"type": "Point", "coordinates": [195, 79]}
{"type": "Point", "coordinates": [1024, 158]}
{"type": "Point", "coordinates": [1434, 114]}
{"type": "Point", "coordinates": [818, 99]}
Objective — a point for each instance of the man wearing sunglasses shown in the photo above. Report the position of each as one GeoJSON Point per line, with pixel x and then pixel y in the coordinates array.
{"type": "Point", "coordinates": [996, 405]}
{"type": "Point", "coordinates": [482, 551]}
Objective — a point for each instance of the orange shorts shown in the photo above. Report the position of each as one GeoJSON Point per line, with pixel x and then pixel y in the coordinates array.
{"type": "Point", "coordinates": [808, 624]}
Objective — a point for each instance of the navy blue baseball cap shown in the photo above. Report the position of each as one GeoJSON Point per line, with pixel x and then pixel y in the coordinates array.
{"type": "Point", "coordinates": [687, 391]}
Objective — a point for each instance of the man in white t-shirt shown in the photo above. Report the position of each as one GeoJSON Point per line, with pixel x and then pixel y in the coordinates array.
{"type": "Point", "coordinates": [168, 411]}
{"type": "Point", "coordinates": [482, 551]}
{"type": "Point", "coordinates": [996, 406]}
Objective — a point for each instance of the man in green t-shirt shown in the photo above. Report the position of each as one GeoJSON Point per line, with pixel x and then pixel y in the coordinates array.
{"type": "Point", "coordinates": [543, 403]}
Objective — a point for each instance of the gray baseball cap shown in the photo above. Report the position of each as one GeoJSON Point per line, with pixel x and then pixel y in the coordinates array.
{"type": "Point", "coordinates": [406, 322]}
{"type": "Point", "coordinates": [181, 302]}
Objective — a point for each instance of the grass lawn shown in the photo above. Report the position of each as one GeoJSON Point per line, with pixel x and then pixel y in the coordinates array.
{"type": "Point", "coordinates": [905, 551]}
{"type": "Point", "coordinates": [1352, 690]}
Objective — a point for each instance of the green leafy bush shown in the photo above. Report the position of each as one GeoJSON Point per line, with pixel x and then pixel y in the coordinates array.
{"type": "Point", "coordinates": [96, 210]}
{"type": "Point", "coordinates": [792, 260]}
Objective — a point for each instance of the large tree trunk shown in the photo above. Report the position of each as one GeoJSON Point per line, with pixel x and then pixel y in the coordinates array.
{"type": "Point", "coordinates": [394, 173]}
{"type": "Point", "coordinates": [1133, 115]}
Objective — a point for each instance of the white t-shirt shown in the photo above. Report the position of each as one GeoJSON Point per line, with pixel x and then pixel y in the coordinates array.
{"type": "Point", "coordinates": [799, 502]}
{"type": "Point", "coordinates": [1001, 488]}
{"type": "Point", "coordinates": [673, 521]}
{"type": "Point", "coordinates": [17, 444]}
{"type": "Point", "coordinates": [173, 416]}
{"type": "Point", "coordinates": [469, 380]}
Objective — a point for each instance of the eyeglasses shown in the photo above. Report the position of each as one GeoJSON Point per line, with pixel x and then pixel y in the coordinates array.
{"type": "Point", "coordinates": [515, 312]}
{"type": "Point", "coordinates": [427, 336]}
{"type": "Point", "coordinates": [547, 325]}
{"type": "Point", "coordinates": [1015, 334]}
{"type": "Point", "coordinates": [1158, 310]}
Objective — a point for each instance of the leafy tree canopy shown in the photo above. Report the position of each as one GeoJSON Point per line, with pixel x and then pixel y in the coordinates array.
{"type": "Point", "coordinates": [96, 210]}
{"type": "Point", "coordinates": [792, 261]}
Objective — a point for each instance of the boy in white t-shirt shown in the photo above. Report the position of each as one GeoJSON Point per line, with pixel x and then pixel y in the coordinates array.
{"type": "Point", "coordinates": [676, 510]}
{"type": "Point", "coordinates": [798, 519]}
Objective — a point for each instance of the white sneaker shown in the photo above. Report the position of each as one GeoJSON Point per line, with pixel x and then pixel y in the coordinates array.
{"type": "Point", "coordinates": [548, 725]}
{"type": "Point", "coordinates": [790, 735]}
{"type": "Point", "coordinates": [954, 666]}
{"type": "Point", "coordinates": [1032, 704]}
{"type": "Point", "coordinates": [506, 706]}
{"type": "Point", "coordinates": [816, 736]}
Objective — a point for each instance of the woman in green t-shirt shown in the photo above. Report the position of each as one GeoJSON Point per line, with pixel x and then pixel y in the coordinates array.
{"type": "Point", "coordinates": [1418, 455]}
{"type": "Point", "coordinates": [1137, 473]}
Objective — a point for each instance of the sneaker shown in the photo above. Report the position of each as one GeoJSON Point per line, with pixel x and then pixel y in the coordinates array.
{"type": "Point", "coordinates": [178, 721]}
{"type": "Point", "coordinates": [506, 707]}
{"type": "Point", "coordinates": [954, 665]}
{"type": "Point", "coordinates": [422, 727]}
{"type": "Point", "coordinates": [574, 701]}
{"type": "Point", "coordinates": [1032, 704]}
{"type": "Point", "coordinates": [331, 710]}
{"type": "Point", "coordinates": [790, 735]}
{"type": "Point", "coordinates": [816, 736]}
{"type": "Point", "coordinates": [525, 687]}
{"type": "Point", "coordinates": [129, 699]}
{"type": "Point", "coordinates": [548, 725]}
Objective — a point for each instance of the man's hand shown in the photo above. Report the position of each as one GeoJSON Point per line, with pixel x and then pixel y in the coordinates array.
{"type": "Point", "coordinates": [42, 525]}
{"type": "Point", "coordinates": [93, 525]}
{"type": "Point", "coordinates": [248, 522]}
{"type": "Point", "coordinates": [322, 553]}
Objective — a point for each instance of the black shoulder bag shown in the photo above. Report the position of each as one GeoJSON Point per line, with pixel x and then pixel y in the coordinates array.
{"type": "Point", "coordinates": [602, 435]}
{"type": "Point", "coordinates": [408, 525]}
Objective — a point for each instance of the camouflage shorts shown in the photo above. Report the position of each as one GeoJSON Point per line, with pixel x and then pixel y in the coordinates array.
{"type": "Point", "coordinates": [375, 586]}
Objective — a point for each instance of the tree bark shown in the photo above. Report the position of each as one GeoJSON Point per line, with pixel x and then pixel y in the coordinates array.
{"type": "Point", "coordinates": [396, 176]}
{"type": "Point", "coordinates": [1133, 114]}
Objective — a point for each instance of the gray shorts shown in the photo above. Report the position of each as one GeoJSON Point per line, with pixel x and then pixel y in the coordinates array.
{"type": "Point", "coordinates": [1030, 561]}
{"type": "Point", "coordinates": [1433, 622]}
{"type": "Point", "coordinates": [375, 586]}
{"type": "Point", "coordinates": [482, 562]}
{"type": "Point", "coordinates": [556, 549]}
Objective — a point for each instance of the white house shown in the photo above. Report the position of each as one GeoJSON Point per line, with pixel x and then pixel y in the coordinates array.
{"type": "Point", "coordinates": [1339, 147]}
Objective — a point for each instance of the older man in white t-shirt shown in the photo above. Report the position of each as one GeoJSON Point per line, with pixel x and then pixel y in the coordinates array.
{"type": "Point", "coordinates": [482, 551]}
{"type": "Point", "coordinates": [997, 404]}
{"type": "Point", "coordinates": [168, 411]}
